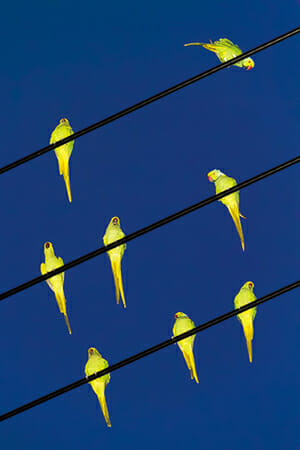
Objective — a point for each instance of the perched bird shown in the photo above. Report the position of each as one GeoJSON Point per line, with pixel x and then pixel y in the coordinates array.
{"type": "Point", "coordinates": [246, 318]}
{"type": "Point", "coordinates": [114, 233]}
{"type": "Point", "coordinates": [56, 283]}
{"type": "Point", "coordinates": [226, 50]}
{"type": "Point", "coordinates": [182, 324]}
{"type": "Point", "coordinates": [231, 201]}
{"type": "Point", "coordinates": [63, 152]}
{"type": "Point", "coordinates": [95, 364]}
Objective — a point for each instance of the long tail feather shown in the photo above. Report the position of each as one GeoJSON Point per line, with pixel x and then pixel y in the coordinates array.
{"type": "Point", "coordinates": [193, 43]}
{"type": "Point", "coordinates": [116, 268]}
{"type": "Point", "coordinates": [68, 323]}
{"type": "Point", "coordinates": [114, 271]}
{"type": "Point", "coordinates": [210, 47]}
{"type": "Point", "coordinates": [190, 362]}
{"type": "Point", "coordinates": [247, 324]}
{"type": "Point", "coordinates": [65, 173]}
{"type": "Point", "coordinates": [235, 214]}
{"type": "Point", "coordinates": [61, 301]}
{"type": "Point", "coordinates": [102, 401]}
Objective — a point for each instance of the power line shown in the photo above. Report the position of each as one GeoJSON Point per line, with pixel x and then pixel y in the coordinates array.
{"type": "Point", "coordinates": [148, 100]}
{"type": "Point", "coordinates": [149, 228]}
{"type": "Point", "coordinates": [148, 351]}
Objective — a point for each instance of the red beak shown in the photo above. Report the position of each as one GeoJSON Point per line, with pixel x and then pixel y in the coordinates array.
{"type": "Point", "coordinates": [210, 178]}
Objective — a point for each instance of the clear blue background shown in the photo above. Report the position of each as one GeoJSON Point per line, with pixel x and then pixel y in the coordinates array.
{"type": "Point", "coordinates": [84, 61]}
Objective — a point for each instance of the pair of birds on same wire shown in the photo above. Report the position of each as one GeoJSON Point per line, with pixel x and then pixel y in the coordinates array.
{"type": "Point", "coordinates": [183, 323]}
{"type": "Point", "coordinates": [225, 50]}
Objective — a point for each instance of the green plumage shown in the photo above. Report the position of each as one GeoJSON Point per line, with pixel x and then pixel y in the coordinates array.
{"type": "Point", "coordinates": [224, 182]}
{"type": "Point", "coordinates": [244, 297]}
{"type": "Point", "coordinates": [95, 364]}
{"type": "Point", "coordinates": [114, 233]}
{"type": "Point", "coordinates": [64, 151]}
{"type": "Point", "coordinates": [225, 51]}
{"type": "Point", "coordinates": [182, 324]}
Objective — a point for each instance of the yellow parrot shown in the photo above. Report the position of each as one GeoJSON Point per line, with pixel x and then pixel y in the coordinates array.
{"type": "Point", "coordinates": [231, 201]}
{"type": "Point", "coordinates": [95, 364]}
{"type": "Point", "coordinates": [114, 233]}
{"type": "Point", "coordinates": [245, 296]}
{"type": "Point", "coordinates": [226, 50]}
{"type": "Point", "coordinates": [63, 152]}
{"type": "Point", "coordinates": [182, 324]}
{"type": "Point", "coordinates": [56, 282]}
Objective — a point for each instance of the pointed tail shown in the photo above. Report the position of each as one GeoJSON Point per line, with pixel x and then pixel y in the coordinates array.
{"type": "Point", "coordinates": [65, 173]}
{"type": "Point", "coordinates": [102, 401]}
{"type": "Point", "coordinates": [210, 46]}
{"type": "Point", "coordinates": [61, 301]}
{"type": "Point", "coordinates": [190, 362]}
{"type": "Point", "coordinates": [235, 214]}
{"type": "Point", "coordinates": [116, 269]}
{"type": "Point", "coordinates": [247, 323]}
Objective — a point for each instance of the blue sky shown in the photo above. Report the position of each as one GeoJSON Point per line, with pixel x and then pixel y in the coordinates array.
{"type": "Point", "coordinates": [85, 61]}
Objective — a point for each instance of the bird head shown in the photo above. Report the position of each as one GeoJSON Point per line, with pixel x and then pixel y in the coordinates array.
{"type": "Point", "coordinates": [93, 351]}
{"type": "Point", "coordinates": [180, 314]}
{"type": "Point", "coordinates": [249, 285]}
{"type": "Point", "coordinates": [48, 248]}
{"type": "Point", "coordinates": [213, 175]}
{"type": "Point", "coordinates": [248, 63]}
{"type": "Point", "coordinates": [64, 121]}
{"type": "Point", "coordinates": [115, 221]}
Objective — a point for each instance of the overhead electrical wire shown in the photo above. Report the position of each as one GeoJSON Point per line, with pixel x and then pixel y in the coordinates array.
{"type": "Point", "coordinates": [148, 228]}
{"type": "Point", "coordinates": [148, 100]}
{"type": "Point", "coordinates": [148, 351]}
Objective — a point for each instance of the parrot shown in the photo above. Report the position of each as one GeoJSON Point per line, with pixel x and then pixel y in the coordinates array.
{"type": "Point", "coordinates": [246, 318]}
{"type": "Point", "coordinates": [94, 364]}
{"type": "Point", "coordinates": [57, 281]}
{"type": "Point", "coordinates": [63, 152]}
{"type": "Point", "coordinates": [226, 50]}
{"type": "Point", "coordinates": [182, 324]}
{"type": "Point", "coordinates": [113, 233]}
{"type": "Point", "coordinates": [231, 201]}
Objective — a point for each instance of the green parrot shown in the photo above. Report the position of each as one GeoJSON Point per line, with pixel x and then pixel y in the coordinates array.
{"type": "Point", "coordinates": [182, 324]}
{"type": "Point", "coordinates": [231, 201]}
{"type": "Point", "coordinates": [226, 50]}
{"type": "Point", "coordinates": [55, 283]}
{"type": "Point", "coordinates": [63, 152]}
{"type": "Point", "coordinates": [114, 233]}
{"type": "Point", "coordinates": [246, 318]}
{"type": "Point", "coordinates": [95, 364]}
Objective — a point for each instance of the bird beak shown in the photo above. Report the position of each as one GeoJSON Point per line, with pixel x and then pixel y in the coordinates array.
{"type": "Point", "coordinates": [209, 178]}
{"type": "Point", "coordinates": [249, 67]}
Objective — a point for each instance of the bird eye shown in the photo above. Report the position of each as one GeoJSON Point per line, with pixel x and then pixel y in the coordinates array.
{"type": "Point", "coordinates": [47, 245]}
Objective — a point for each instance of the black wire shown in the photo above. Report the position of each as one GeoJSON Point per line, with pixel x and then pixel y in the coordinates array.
{"type": "Point", "coordinates": [147, 101]}
{"type": "Point", "coordinates": [148, 351]}
{"type": "Point", "coordinates": [148, 228]}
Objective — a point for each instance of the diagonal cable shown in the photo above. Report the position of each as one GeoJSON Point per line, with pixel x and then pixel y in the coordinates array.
{"type": "Point", "coordinates": [147, 101]}
{"type": "Point", "coordinates": [148, 351]}
{"type": "Point", "coordinates": [149, 228]}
